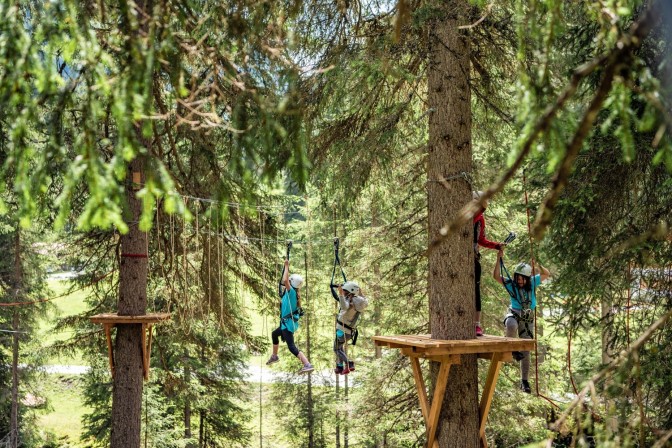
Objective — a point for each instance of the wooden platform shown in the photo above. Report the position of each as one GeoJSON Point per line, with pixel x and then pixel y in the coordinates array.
{"type": "Point", "coordinates": [495, 348]}
{"type": "Point", "coordinates": [146, 321]}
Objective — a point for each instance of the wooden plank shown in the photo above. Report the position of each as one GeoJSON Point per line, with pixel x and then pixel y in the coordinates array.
{"type": "Point", "coordinates": [488, 392]}
{"type": "Point", "coordinates": [112, 318]}
{"type": "Point", "coordinates": [437, 402]}
{"type": "Point", "coordinates": [110, 352]}
{"type": "Point", "coordinates": [420, 386]}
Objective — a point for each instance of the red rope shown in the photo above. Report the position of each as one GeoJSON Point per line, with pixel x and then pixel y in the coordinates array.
{"type": "Point", "coordinates": [93, 282]}
{"type": "Point", "coordinates": [536, 348]}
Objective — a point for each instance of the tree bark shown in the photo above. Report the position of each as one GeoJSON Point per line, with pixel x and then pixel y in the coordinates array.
{"type": "Point", "coordinates": [310, 404]}
{"type": "Point", "coordinates": [128, 378]}
{"type": "Point", "coordinates": [14, 417]}
{"type": "Point", "coordinates": [451, 265]}
{"type": "Point", "coordinates": [18, 287]}
{"type": "Point", "coordinates": [187, 402]}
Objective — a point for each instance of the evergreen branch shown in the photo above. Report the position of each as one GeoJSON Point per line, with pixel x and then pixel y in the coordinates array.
{"type": "Point", "coordinates": [612, 59]}
{"type": "Point", "coordinates": [613, 365]}
{"type": "Point", "coordinates": [615, 61]}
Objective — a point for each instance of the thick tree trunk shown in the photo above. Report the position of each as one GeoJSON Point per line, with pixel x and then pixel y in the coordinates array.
{"type": "Point", "coordinates": [18, 288]}
{"type": "Point", "coordinates": [127, 390]}
{"type": "Point", "coordinates": [451, 265]}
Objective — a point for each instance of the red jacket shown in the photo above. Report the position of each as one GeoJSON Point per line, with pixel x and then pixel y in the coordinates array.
{"type": "Point", "coordinates": [479, 234]}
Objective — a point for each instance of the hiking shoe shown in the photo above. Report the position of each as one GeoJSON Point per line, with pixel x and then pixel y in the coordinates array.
{"type": "Point", "coordinates": [345, 371]}
{"type": "Point", "coordinates": [307, 368]}
{"type": "Point", "coordinates": [339, 369]}
{"type": "Point", "coordinates": [479, 330]}
{"type": "Point", "coordinates": [351, 366]}
{"type": "Point", "coordinates": [273, 359]}
{"type": "Point", "coordinates": [517, 355]}
{"type": "Point", "coordinates": [525, 386]}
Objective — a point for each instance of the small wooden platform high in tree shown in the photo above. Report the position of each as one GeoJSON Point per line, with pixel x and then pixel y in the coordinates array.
{"type": "Point", "coordinates": [146, 320]}
{"type": "Point", "coordinates": [496, 349]}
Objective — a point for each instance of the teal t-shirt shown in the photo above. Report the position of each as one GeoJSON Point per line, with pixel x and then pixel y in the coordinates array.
{"type": "Point", "coordinates": [520, 295]}
{"type": "Point", "coordinates": [288, 307]}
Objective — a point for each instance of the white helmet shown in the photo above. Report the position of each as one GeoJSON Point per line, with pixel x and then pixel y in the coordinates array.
{"type": "Point", "coordinates": [523, 269]}
{"type": "Point", "coordinates": [351, 287]}
{"type": "Point", "coordinates": [476, 195]}
{"type": "Point", "coordinates": [296, 281]}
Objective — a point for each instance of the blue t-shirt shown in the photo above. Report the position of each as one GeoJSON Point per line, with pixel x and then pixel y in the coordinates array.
{"type": "Point", "coordinates": [520, 294]}
{"type": "Point", "coordinates": [288, 307]}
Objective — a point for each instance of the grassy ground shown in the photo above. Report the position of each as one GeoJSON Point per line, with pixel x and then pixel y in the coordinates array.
{"type": "Point", "coordinates": [69, 305]}
{"type": "Point", "coordinates": [60, 421]}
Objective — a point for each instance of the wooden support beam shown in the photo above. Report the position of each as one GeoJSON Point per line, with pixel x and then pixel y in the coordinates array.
{"type": "Point", "coordinates": [146, 320]}
{"type": "Point", "coordinates": [437, 402]}
{"type": "Point", "coordinates": [420, 386]}
{"type": "Point", "coordinates": [110, 349]}
{"type": "Point", "coordinates": [145, 358]}
{"type": "Point", "coordinates": [488, 392]}
{"type": "Point", "coordinates": [506, 356]}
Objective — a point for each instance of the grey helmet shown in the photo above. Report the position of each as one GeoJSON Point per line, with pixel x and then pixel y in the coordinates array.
{"type": "Point", "coordinates": [351, 287]}
{"type": "Point", "coordinates": [296, 281]}
{"type": "Point", "coordinates": [523, 269]}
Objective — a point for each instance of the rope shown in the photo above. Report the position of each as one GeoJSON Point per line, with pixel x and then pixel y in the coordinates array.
{"type": "Point", "coordinates": [264, 331]}
{"type": "Point", "coordinates": [536, 335]}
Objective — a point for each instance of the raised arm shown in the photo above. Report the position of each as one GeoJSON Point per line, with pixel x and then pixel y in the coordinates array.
{"type": "Point", "coordinates": [341, 299]}
{"type": "Point", "coordinates": [539, 269]}
{"type": "Point", "coordinates": [285, 275]}
{"type": "Point", "coordinates": [497, 274]}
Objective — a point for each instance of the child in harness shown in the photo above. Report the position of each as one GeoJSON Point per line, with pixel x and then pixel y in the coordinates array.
{"type": "Point", "coordinates": [352, 303]}
{"type": "Point", "coordinates": [290, 313]}
{"type": "Point", "coordinates": [520, 318]}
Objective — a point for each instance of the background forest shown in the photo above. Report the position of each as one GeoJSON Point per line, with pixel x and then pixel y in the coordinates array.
{"type": "Point", "coordinates": [251, 123]}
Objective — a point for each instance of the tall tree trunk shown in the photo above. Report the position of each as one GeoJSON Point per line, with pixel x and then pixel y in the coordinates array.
{"type": "Point", "coordinates": [346, 435]}
{"type": "Point", "coordinates": [127, 389]}
{"type": "Point", "coordinates": [311, 413]}
{"type": "Point", "coordinates": [201, 429]}
{"type": "Point", "coordinates": [375, 290]}
{"type": "Point", "coordinates": [451, 265]}
{"type": "Point", "coordinates": [14, 417]}
{"type": "Point", "coordinates": [18, 288]}
{"type": "Point", "coordinates": [187, 402]}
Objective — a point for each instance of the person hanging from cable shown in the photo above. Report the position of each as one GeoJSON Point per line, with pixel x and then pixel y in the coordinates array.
{"type": "Point", "coordinates": [520, 318]}
{"type": "Point", "coordinates": [352, 303]}
{"type": "Point", "coordinates": [290, 313]}
{"type": "Point", "coordinates": [481, 240]}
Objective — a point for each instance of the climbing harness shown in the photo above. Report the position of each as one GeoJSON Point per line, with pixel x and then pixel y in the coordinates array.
{"type": "Point", "coordinates": [293, 315]}
{"type": "Point", "coordinates": [353, 323]}
{"type": "Point", "coordinates": [525, 317]}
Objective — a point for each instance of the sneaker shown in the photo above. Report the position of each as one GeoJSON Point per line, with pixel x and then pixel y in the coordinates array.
{"type": "Point", "coordinates": [339, 369]}
{"type": "Point", "coordinates": [351, 366]}
{"type": "Point", "coordinates": [479, 330]}
{"type": "Point", "coordinates": [307, 368]}
{"type": "Point", "coordinates": [517, 355]}
{"type": "Point", "coordinates": [272, 360]}
{"type": "Point", "coordinates": [525, 386]}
